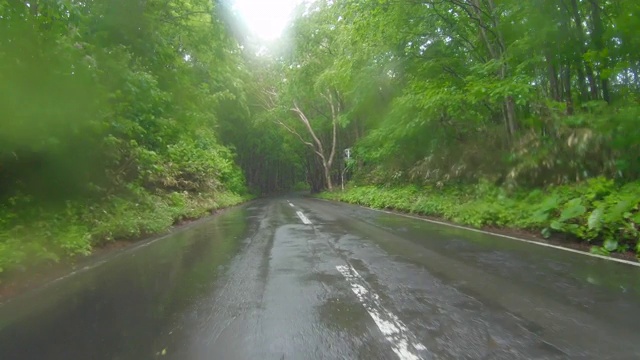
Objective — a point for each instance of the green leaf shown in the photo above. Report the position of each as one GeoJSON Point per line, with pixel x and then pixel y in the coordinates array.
{"type": "Point", "coordinates": [539, 217]}
{"type": "Point", "coordinates": [557, 225]}
{"type": "Point", "coordinates": [610, 244]}
{"type": "Point", "coordinates": [599, 251]}
{"type": "Point", "coordinates": [572, 210]}
{"type": "Point", "coordinates": [618, 211]}
{"type": "Point", "coordinates": [595, 219]}
{"type": "Point", "coordinates": [572, 228]}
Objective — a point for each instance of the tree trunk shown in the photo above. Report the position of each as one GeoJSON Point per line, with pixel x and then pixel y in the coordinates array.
{"type": "Point", "coordinates": [327, 176]}
{"type": "Point", "coordinates": [584, 92]}
{"type": "Point", "coordinates": [554, 89]}
{"type": "Point", "coordinates": [316, 144]}
{"type": "Point", "coordinates": [496, 48]}
{"type": "Point", "coordinates": [510, 106]}
{"type": "Point", "coordinates": [593, 91]}
{"type": "Point", "coordinates": [566, 79]}
{"type": "Point", "coordinates": [598, 42]}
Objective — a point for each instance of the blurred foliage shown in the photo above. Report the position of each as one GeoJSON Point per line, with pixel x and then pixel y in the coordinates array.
{"type": "Point", "coordinates": [515, 97]}
{"type": "Point", "coordinates": [36, 235]}
{"type": "Point", "coordinates": [523, 94]}
{"type": "Point", "coordinates": [108, 117]}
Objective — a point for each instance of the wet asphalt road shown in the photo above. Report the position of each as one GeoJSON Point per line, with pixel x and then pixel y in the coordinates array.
{"type": "Point", "coordinates": [297, 278]}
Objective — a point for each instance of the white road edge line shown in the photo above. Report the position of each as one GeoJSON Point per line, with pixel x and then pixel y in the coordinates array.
{"type": "Point", "coordinates": [394, 330]}
{"type": "Point", "coordinates": [302, 217]}
{"type": "Point", "coordinates": [622, 261]}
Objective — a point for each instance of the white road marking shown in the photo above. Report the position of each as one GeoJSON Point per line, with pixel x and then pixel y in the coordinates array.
{"type": "Point", "coordinates": [403, 342]}
{"type": "Point", "coordinates": [290, 204]}
{"type": "Point", "coordinates": [514, 238]}
{"type": "Point", "coordinates": [622, 261]}
{"type": "Point", "coordinates": [302, 217]}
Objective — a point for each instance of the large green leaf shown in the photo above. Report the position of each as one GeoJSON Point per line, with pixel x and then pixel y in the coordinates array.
{"type": "Point", "coordinates": [557, 225]}
{"type": "Point", "coordinates": [598, 250]}
{"type": "Point", "coordinates": [595, 219]}
{"type": "Point", "coordinates": [572, 210]}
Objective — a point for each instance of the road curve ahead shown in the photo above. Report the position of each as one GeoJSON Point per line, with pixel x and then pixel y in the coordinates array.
{"type": "Point", "coordinates": [298, 278]}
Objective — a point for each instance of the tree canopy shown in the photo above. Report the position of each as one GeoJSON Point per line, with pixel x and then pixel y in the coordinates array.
{"type": "Point", "coordinates": [489, 101]}
{"type": "Point", "coordinates": [527, 93]}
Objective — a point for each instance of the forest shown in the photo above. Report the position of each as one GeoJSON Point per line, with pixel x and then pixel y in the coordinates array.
{"type": "Point", "coordinates": [121, 118]}
{"type": "Point", "coordinates": [111, 115]}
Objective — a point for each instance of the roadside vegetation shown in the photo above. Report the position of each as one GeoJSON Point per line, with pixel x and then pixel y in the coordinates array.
{"type": "Point", "coordinates": [596, 211]}
{"type": "Point", "coordinates": [504, 113]}
{"type": "Point", "coordinates": [109, 120]}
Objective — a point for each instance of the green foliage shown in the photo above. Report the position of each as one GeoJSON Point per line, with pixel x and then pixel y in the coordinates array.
{"type": "Point", "coordinates": [596, 211]}
{"type": "Point", "coordinates": [525, 94]}
{"type": "Point", "coordinates": [109, 126]}
{"type": "Point", "coordinates": [301, 186]}
{"type": "Point", "coordinates": [510, 114]}
{"type": "Point", "coordinates": [40, 234]}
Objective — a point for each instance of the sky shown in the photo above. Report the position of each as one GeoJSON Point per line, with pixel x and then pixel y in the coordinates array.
{"type": "Point", "coordinates": [266, 19]}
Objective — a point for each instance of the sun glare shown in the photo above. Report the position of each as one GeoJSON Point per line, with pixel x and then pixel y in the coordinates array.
{"type": "Point", "coordinates": [266, 19]}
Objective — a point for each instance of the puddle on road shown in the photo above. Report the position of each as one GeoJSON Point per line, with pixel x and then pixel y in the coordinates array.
{"type": "Point", "coordinates": [344, 314]}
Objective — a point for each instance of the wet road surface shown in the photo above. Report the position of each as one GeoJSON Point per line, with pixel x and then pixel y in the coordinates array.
{"type": "Point", "coordinates": [297, 278]}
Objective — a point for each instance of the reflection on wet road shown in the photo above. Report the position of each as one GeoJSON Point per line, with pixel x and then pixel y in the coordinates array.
{"type": "Point", "coordinates": [297, 278]}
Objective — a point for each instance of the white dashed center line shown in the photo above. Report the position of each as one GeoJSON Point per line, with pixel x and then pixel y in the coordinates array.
{"type": "Point", "coordinates": [302, 217]}
{"type": "Point", "coordinates": [403, 342]}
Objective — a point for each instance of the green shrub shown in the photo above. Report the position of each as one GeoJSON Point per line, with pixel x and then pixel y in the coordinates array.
{"type": "Point", "coordinates": [37, 234]}
{"type": "Point", "coordinates": [301, 186]}
{"type": "Point", "coordinates": [596, 211]}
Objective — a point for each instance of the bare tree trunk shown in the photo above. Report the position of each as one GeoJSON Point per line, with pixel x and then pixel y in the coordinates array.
{"type": "Point", "coordinates": [335, 110]}
{"type": "Point", "coordinates": [327, 176]}
{"type": "Point", "coordinates": [316, 144]}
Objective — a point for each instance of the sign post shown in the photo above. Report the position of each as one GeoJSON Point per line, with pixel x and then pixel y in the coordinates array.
{"type": "Point", "coordinates": [347, 157]}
